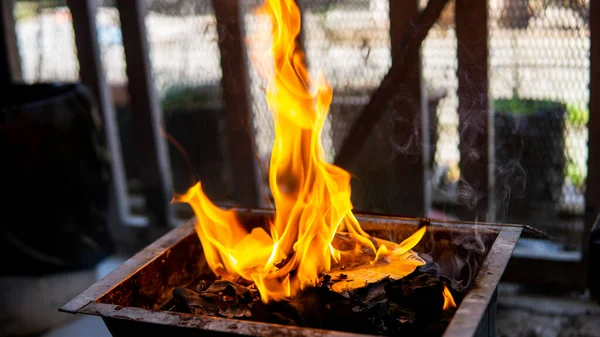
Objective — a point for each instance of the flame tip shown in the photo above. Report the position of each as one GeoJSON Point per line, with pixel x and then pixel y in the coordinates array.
{"type": "Point", "coordinates": [311, 196]}
{"type": "Point", "coordinates": [449, 303]}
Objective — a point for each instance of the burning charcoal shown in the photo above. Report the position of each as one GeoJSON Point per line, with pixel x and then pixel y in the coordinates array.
{"type": "Point", "coordinates": [421, 293]}
{"type": "Point", "coordinates": [243, 282]}
{"type": "Point", "coordinates": [399, 320]}
{"type": "Point", "coordinates": [283, 320]}
{"type": "Point", "coordinates": [343, 242]}
{"type": "Point", "coordinates": [202, 285]}
{"type": "Point", "coordinates": [254, 294]}
{"type": "Point", "coordinates": [220, 285]}
{"type": "Point", "coordinates": [194, 302]}
{"type": "Point", "coordinates": [325, 309]}
{"type": "Point", "coordinates": [326, 281]}
{"type": "Point", "coordinates": [203, 282]}
{"type": "Point", "coordinates": [284, 261]}
{"type": "Point", "coordinates": [375, 295]}
{"type": "Point", "coordinates": [434, 329]}
{"type": "Point", "coordinates": [310, 307]}
{"type": "Point", "coordinates": [227, 298]}
{"type": "Point", "coordinates": [228, 291]}
{"type": "Point", "coordinates": [236, 311]}
{"type": "Point", "coordinates": [401, 314]}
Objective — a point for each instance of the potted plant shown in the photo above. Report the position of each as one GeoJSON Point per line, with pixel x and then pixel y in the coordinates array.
{"type": "Point", "coordinates": [530, 158]}
{"type": "Point", "coordinates": [577, 119]}
{"type": "Point", "coordinates": [194, 118]}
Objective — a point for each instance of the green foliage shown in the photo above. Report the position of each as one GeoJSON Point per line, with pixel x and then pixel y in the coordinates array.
{"type": "Point", "coordinates": [29, 9]}
{"type": "Point", "coordinates": [25, 11]}
{"type": "Point", "coordinates": [188, 97]}
{"type": "Point", "coordinates": [577, 114]}
{"type": "Point", "coordinates": [576, 175]}
{"type": "Point", "coordinates": [524, 107]}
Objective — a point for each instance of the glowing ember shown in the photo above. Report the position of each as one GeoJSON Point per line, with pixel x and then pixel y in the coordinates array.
{"type": "Point", "coordinates": [448, 299]}
{"type": "Point", "coordinates": [312, 197]}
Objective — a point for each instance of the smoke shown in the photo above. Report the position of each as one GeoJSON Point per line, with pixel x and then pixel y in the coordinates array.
{"type": "Point", "coordinates": [405, 127]}
{"type": "Point", "coordinates": [193, 176]}
{"type": "Point", "coordinates": [511, 182]}
{"type": "Point", "coordinates": [456, 259]}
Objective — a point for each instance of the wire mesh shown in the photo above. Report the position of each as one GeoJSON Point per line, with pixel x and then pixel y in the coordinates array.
{"type": "Point", "coordinates": [46, 41]}
{"type": "Point", "coordinates": [110, 42]}
{"type": "Point", "coordinates": [346, 41]}
{"type": "Point", "coordinates": [539, 56]}
{"type": "Point", "coordinates": [184, 53]}
{"type": "Point", "coordinates": [257, 43]}
{"type": "Point", "coordinates": [440, 65]}
{"type": "Point", "coordinates": [183, 43]}
{"type": "Point", "coordinates": [538, 53]}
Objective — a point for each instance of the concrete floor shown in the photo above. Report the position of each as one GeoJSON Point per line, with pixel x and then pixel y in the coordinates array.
{"type": "Point", "coordinates": [540, 315]}
{"type": "Point", "coordinates": [85, 326]}
{"type": "Point", "coordinates": [88, 326]}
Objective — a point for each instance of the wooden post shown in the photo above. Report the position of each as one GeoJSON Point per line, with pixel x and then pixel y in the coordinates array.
{"type": "Point", "coordinates": [11, 62]}
{"type": "Point", "coordinates": [476, 127]}
{"type": "Point", "coordinates": [155, 172]}
{"type": "Point", "coordinates": [411, 123]}
{"type": "Point", "coordinates": [5, 71]}
{"type": "Point", "coordinates": [406, 56]}
{"type": "Point", "coordinates": [92, 75]}
{"type": "Point", "coordinates": [592, 190]}
{"type": "Point", "coordinates": [236, 96]}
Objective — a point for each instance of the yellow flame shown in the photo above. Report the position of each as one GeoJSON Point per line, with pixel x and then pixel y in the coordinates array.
{"type": "Point", "coordinates": [311, 196]}
{"type": "Point", "coordinates": [448, 299]}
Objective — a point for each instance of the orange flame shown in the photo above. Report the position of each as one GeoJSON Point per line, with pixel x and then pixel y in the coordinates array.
{"type": "Point", "coordinates": [311, 196]}
{"type": "Point", "coordinates": [448, 299]}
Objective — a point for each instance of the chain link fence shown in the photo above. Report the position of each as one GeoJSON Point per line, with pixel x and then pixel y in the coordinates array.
{"type": "Point", "coordinates": [46, 41]}
{"type": "Point", "coordinates": [539, 56]}
{"type": "Point", "coordinates": [539, 66]}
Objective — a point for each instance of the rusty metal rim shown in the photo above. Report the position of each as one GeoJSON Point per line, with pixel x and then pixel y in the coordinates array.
{"type": "Point", "coordinates": [218, 324]}
{"type": "Point", "coordinates": [130, 267]}
{"type": "Point", "coordinates": [470, 312]}
{"type": "Point", "coordinates": [464, 322]}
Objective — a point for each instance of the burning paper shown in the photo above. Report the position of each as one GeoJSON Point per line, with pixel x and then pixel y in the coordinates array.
{"type": "Point", "coordinates": [311, 196]}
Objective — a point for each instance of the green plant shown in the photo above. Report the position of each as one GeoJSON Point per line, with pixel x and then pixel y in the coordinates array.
{"type": "Point", "coordinates": [29, 9]}
{"type": "Point", "coordinates": [576, 175]}
{"type": "Point", "coordinates": [577, 114]}
{"type": "Point", "coordinates": [188, 97]}
{"type": "Point", "coordinates": [25, 11]}
{"type": "Point", "coordinates": [524, 107]}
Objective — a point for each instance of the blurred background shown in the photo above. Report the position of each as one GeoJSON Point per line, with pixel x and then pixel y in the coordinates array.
{"type": "Point", "coordinates": [538, 91]}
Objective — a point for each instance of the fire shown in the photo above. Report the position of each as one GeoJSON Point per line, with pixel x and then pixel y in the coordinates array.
{"type": "Point", "coordinates": [448, 299]}
{"type": "Point", "coordinates": [311, 196]}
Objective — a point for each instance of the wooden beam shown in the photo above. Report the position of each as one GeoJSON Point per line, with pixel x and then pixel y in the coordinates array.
{"type": "Point", "coordinates": [592, 190]}
{"type": "Point", "coordinates": [153, 161]}
{"type": "Point", "coordinates": [410, 121]}
{"type": "Point", "coordinates": [92, 75]}
{"type": "Point", "coordinates": [10, 58]}
{"type": "Point", "coordinates": [476, 126]}
{"type": "Point", "coordinates": [592, 193]}
{"type": "Point", "coordinates": [236, 96]}
{"type": "Point", "coordinates": [405, 56]}
{"type": "Point", "coordinates": [5, 71]}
